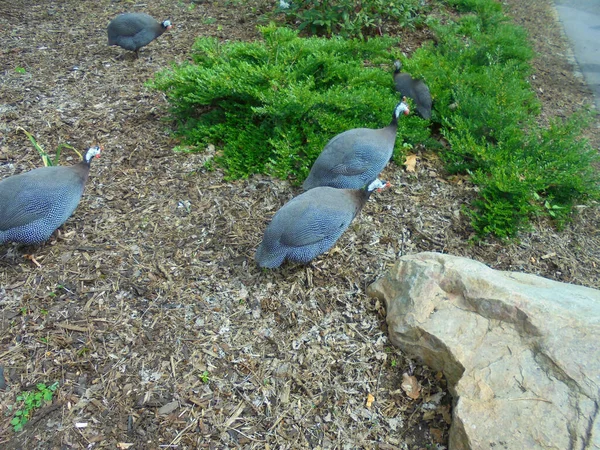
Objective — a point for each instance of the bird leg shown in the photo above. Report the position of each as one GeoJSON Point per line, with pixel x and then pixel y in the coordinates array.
{"type": "Point", "coordinates": [31, 258]}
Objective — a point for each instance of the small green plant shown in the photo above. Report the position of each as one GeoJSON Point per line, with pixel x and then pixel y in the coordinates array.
{"type": "Point", "coordinates": [20, 70]}
{"type": "Point", "coordinates": [204, 377]}
{"type": "Point", "coordinates": [45, 157]}
{"type": "Point", "coordinates": [553, 210]}
{"type": "Point", "coordinates": [394, 362]}
{"type": "Point", "coordinates": [349, 19]}
{"type": "Point", "coordinates": [32, 400]}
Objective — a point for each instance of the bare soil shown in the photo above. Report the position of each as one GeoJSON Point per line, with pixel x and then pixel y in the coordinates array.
{"type": "Point", "coordinates": [147, 306]}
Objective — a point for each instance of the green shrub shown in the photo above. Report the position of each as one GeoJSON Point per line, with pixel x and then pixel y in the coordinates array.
{"type": "Point", "coordinates": [270, 107]}
{"type": "Point", "coordinates": [478, 74]}
{"type": "Point", "coordinates": [352, 18]}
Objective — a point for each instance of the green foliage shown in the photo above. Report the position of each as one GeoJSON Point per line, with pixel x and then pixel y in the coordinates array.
{"type": "Point", "coordinates": [45, 156]}
{"type": "Point", "coordinates": [20, 70]}
{"type": "Point", "coordinates": [478, 73]}
{"type": "Point", "coordinates": [272, 106]}
{"type": "Point", "coordinates": [32, 400]}
{"type": "Point", "coordinates": [351, 18]}
{"type": "Point", "coordinates": [205, 377]}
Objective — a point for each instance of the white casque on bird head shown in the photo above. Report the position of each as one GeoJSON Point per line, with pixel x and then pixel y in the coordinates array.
{"type": "Point", "coordinates": [167, 25]}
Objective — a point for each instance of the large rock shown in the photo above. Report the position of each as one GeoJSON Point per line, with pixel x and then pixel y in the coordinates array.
{"type": "Point", "coordinates": [521, 353]}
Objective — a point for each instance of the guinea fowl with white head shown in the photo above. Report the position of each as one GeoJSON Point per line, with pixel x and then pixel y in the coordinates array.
{"type": "Point", "coordinates": [311, 223]}
{"type": "Point", "coordinates": [36, 203]}
{"type": "Point", "coordinates": [353, 158]}
{"type": "Point", "coordinates": [415, 89]}
{"type": "Point", "coordinates": [133, 31]}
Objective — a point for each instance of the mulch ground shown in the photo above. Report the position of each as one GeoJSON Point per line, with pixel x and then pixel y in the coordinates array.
{"type": "Point", "coordinates": [148, 308]}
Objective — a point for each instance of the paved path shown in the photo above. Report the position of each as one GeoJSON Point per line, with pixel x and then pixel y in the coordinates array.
{"type": "Point", "coordinates": [581, 21]}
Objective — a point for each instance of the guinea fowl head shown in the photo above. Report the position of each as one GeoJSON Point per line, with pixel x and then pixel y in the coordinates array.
{"type": "Point", "coordinates": [92, 152]}
{"type": "Point", "coordinates": [397, 66]}
{"type": "Point", "coordinates": [401, 108]}
{"type": "Point", "coordinates": [167, 25]}
{"type": "Point", "coordinates": [377, 185]}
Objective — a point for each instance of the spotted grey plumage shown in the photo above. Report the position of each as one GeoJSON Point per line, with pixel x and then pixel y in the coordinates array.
{"type": "Point", "coordinates": [36, 203]}
{"type": "Point", "coordinates": [133, 31]}
{"type": "Point", "coordinates": [311, 223]}
{"type": "Point", "coordinates": [415, 89]}
{"type": "Point", "coordinates": [353, 158]}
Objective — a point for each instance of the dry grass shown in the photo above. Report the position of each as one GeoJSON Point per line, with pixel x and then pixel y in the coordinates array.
{"type": "Point", "coordinates": [148, 308]}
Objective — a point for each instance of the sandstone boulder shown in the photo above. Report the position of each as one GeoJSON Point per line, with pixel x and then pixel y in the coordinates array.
{"type": "Point", "coordinates": [521, 353]}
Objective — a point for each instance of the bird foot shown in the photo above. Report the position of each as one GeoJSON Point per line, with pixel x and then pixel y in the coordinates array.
{"type": "Point", "coordinates": [32, 259]}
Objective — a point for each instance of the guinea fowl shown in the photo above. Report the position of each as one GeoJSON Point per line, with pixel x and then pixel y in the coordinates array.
{"type": "Point", "coordinates": [36, 203]}
{"type": "Point", "coordinates": [415, 89]}
{"type": "Point", "coordinates": [353, 158]}
{"type": "Point", "coordinates": [133, 31]}
{"type": "Point", "coordinates": [311, 223]}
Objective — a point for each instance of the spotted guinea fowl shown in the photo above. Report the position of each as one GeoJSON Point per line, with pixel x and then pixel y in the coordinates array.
{"type": "Point", "coordinates": [353, 158]}
{"type": "Point", "coordinates": [36, 203]}
{"type": "Point", "coordinates": [311, 223]}
{"type": "Point", "coordinates": [415, 89]}
{"type": "Point", "coordinates": [133, 31]}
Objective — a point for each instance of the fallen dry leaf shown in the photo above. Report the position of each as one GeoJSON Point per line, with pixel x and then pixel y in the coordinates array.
{"type": "Point", "coordinates": [410, 162]}
{"type": "Point", "coordinates": [370, 400]}
{"type": "Point", "coordinates": [445, 412]}
{"type": "Point", "coordinates": [437, 434]}
{"type": "Point", "coordinates": [429, 415]}
{"type": "Point", "coordinates": [124, 445]}
{"type": "Point", "coordinates": [410, 386]}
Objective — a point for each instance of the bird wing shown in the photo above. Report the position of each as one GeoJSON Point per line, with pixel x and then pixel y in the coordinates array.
{"type": "Point", "coordinates": [22, 209]}
{"type": "Point", "coordinates": [422, 94]}
{"type": "Point", "coordinates": [404, 84]}
{"type": "Point", "coordinates": [345, 154]}
{"type": "Point", "coordinates": [353, 167]}
{"type": "Point", "coordinates": [128, 25]}
{"type": "Point", "coordinates": [31, 195]}
{"type": "Point", "coordinates": [309, 220]}
{"type": "Point", "coordinates": [423, 99]}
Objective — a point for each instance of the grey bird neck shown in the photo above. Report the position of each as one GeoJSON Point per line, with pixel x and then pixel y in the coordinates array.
{"type": "Point", "coordinates": [364, 194]}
